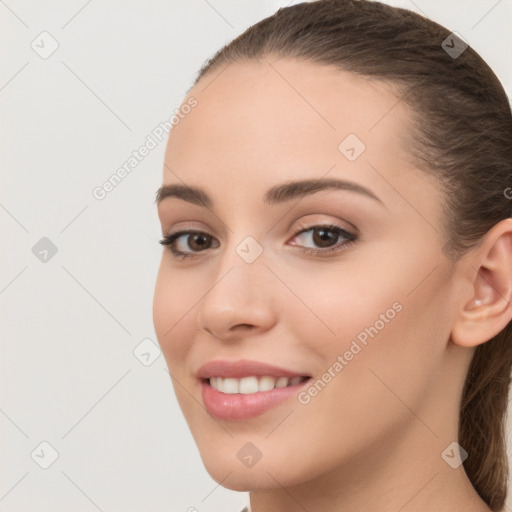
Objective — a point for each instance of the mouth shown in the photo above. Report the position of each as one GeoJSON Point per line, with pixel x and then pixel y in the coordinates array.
{"type": "Point", "coordinates": [253, 384]}
{"type": "Point", "coordinates": [233, 399]}
{"type": "Point", "coordinates": [236, 390]}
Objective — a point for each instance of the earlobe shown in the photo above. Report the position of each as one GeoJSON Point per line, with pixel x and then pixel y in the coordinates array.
{"type": "Point", "coordinates": [490, 308]}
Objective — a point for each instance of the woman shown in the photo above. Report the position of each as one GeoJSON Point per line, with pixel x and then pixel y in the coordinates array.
{"type": "Point", "coordinates": [334, 295]}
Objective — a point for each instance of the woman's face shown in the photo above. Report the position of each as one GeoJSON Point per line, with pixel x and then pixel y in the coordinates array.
{"type": "Point", "coordinates": [368, 322]}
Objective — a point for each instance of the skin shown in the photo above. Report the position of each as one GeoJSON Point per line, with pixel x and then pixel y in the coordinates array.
{"type": "Point", "coordinates": [372, 439]}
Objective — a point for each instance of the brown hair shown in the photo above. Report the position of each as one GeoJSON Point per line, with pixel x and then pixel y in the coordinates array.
{"type": "Point", "coordinates": [462, 135]}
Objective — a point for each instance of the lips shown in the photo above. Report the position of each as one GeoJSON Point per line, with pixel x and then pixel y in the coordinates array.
{"type": "Point", "coordinates": [244, 368]}
{"type": "Point", "coordinates": [241, 398]}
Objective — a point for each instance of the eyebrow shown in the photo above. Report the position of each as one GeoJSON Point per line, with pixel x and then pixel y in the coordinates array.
{"type": "Point", "coordinates": [275, 195]}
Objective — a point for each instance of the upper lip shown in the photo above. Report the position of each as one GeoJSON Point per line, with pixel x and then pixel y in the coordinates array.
{"type": "Point", "coordinates": [243, 368]}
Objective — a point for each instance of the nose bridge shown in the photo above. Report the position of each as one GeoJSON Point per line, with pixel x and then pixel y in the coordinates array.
{"type": "Point", "coordinates": [239, 293]}
{"type": "Point", "coordinates": [241, 270]}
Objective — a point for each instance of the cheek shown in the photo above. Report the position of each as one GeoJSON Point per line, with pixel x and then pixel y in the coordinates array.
{"type": "Point", "coordinates": [171, 302]}
{"type": "Point", "coordinates": [337, 304]}
{"type": "Point", "coordinates": [392, 345]}
{"type": "Point", "coordinates": [377, 316]}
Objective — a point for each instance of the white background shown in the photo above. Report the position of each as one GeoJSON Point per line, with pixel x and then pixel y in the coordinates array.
{"type": "Point", "coordinates": [68, 375]}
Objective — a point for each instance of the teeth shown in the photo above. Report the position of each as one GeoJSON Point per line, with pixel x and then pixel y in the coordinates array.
{"type": "Point", "coordinates": [248, 385]}
{"type": "Point", "coordinates": [229, 385]}
{"type": "Point", "coordinates": [266, 383]}
{"type": "Point", "coordinates": [295, 380]}
{"type": "Point", "coordinates": [282, 382]}
{"type": "Point", "coordinates": [219, 383]}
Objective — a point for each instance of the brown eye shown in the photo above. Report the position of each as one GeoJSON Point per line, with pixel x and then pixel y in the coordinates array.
{"type": "Point", "coordinates": [199, 241]}
{"type": "Point", "coordinates": [325, 239]}
{"type": "Point", "coordinates": [196, 241]}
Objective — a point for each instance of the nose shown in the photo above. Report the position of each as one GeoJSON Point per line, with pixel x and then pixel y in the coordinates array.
{"type": "Point", "coordinates": [240, 301]}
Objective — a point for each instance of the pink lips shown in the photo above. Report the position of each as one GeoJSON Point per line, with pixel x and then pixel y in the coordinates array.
{"type": "Point", "coordinates": [238, 406]}
{"type": "Point", "coordinates": [243, 368]}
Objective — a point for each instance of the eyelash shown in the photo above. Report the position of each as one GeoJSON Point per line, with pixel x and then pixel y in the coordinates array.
{"type": "Point", "coordinates": [169, 241]}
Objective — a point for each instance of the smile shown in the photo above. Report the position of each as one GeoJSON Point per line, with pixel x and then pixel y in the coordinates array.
{"type": "Point", "coordinates": [252, 384]}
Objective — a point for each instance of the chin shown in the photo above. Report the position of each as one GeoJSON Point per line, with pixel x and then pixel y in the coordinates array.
{"type": "Point", "coordinates": [241, 479]}
{"type": "Point", "coordinates": [267, 473]}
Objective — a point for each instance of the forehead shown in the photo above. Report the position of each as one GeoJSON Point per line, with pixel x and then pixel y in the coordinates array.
{"type": "Point", "coordinates": [267, 121]}
{"type": "Point", "coordinates": [287, 102]}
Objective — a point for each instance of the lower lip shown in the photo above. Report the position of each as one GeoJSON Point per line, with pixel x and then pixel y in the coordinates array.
{"type": "Point", "coordinates": [239, 406]}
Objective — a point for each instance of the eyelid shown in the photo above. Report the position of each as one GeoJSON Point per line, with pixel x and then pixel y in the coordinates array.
{"type": "Point", "coordinates": [349, 238]}
{"type": "Point", "coordinates": [337, 224]}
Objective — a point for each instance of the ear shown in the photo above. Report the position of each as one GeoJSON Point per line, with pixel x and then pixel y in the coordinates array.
{"type": "Point", "coordinates": [489, 309]}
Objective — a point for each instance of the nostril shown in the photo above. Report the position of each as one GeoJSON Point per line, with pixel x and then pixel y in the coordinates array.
{"type": "Point", "coordinates": [244, 326]}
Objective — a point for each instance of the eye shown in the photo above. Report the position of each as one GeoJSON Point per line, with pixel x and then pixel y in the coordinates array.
{"type": "Point", "coordinates": [324, 236]}
{"type": "Point", "coordinates": [321, 235]}
{"type": "Point", "coordinates": [196, 240]}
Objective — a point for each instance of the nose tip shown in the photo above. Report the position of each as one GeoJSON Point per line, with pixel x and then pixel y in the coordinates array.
{"type": "Point", "coordinates": [240, 303]}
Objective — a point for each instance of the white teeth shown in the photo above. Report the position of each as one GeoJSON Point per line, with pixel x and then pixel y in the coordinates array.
{"type": "Point", "coordinates": [266, 383]}
{"type": "Point", "coordinates": [229, 385]}
{"type": "Point", "coordinates": [248, 385]}
{"type": "Point", "coordinates": [282, 382]}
